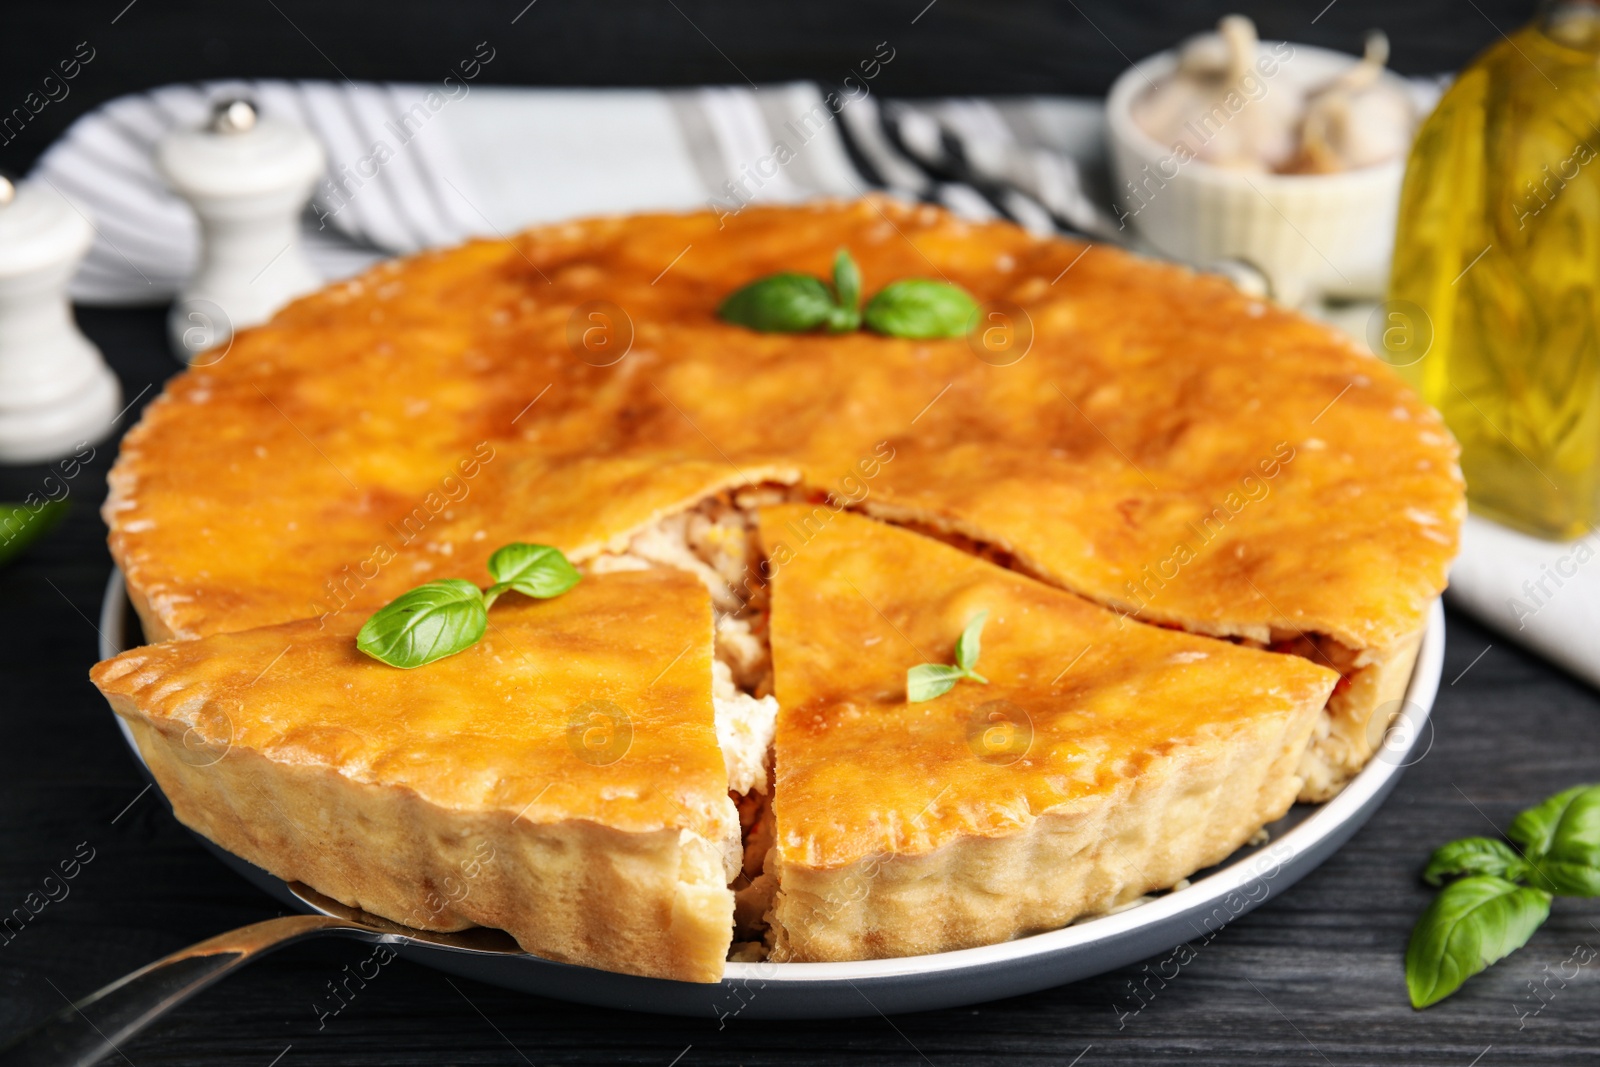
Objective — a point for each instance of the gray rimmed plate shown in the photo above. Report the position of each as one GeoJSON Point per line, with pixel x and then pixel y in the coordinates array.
{"type": "Point", "coordinates": [1299, 842]}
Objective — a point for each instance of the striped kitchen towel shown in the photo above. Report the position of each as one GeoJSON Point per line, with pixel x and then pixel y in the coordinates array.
{"type": "Point", "coordinates": [418, 166]}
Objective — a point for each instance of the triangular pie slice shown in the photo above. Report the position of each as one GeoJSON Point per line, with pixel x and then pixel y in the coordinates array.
{"type": "Point", "coordinates": [560, 779]}
{"type": "Point", "coordinates": [1105, 758]}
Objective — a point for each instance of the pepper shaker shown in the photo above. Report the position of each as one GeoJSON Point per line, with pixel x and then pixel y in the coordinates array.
{"type": "Point", "coordinates": [248, 178]}
{"type": "Point", "coordinates": [56, 391]}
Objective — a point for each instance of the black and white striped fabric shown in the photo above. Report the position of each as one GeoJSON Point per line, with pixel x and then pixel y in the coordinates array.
{"type": "Point", "coordinates": [413, 166]}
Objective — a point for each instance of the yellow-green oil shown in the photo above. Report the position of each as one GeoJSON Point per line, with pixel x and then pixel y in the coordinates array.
{"type": "Point", "coordinates": [1497, 274]}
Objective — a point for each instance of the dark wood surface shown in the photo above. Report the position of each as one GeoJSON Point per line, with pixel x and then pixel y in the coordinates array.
{"type": "Point", "coordinates": [1313, 977]}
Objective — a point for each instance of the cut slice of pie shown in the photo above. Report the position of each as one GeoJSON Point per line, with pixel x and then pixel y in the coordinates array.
{"type": "Point", "coordinates": [561, 779]}
{"type": "Point", "coordinates": [1104, 758]}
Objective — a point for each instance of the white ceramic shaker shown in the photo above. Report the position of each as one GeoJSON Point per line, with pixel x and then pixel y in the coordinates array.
{"type": "Point", "coordinates": [248, 178]}
{"type": "Point", "coordinates": [55, 389]}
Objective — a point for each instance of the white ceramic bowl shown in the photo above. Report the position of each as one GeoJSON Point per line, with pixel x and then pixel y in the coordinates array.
{"type": "Point", "coordinates": [1309, 234]}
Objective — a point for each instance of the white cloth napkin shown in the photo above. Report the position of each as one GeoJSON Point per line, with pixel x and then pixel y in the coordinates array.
{"type": "Point", "coordinates": [488, 161]}
{"type": "Point", "coordinates": [1544, 595]}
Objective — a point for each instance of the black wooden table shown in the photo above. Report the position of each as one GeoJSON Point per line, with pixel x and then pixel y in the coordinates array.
{"type": "Point", "coordinates": [1313, 977]}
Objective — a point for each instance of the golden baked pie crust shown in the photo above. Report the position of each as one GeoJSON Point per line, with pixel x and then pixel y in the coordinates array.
{"type": "Point", "coordinates": [1104, 759]}
{"type": "Point", "coordinates": [475, 790]}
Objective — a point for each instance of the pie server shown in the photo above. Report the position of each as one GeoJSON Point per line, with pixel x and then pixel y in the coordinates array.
{"type": "Point", "coordinates": [84, 1032]}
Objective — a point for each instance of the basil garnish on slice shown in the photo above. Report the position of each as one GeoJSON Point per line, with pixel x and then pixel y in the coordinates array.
{"type": "Point", "coordinates": [914, 308]}
{"type": "Point", "coordinates": [450, 615]}
{"type": "Point", "coordinates": [929, 680]}
{"type": "Point", "coordinates": [922, 310]}
{"type": "Point", "coordinates": [428, 623]}
{"type": "Point", "coordinates": [1503, 895]}
{"type": "Point", "coordinates": [532, 570]}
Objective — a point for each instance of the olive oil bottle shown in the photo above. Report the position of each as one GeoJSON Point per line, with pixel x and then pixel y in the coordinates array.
{"type": "Point", "coordinates": [1494, 310]}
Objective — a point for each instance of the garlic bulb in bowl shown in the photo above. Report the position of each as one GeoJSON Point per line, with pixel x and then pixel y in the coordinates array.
{"type": "Point", "coordinates": [1218, 103]}
{"type": "Point", "coordinates": [1357, 120]}
{"type": "Point", "coordinates": [1286, 157]}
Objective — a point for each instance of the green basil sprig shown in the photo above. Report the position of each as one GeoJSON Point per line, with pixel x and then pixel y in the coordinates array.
{"type": "Point", "coordinates": [444, 617]}
{"type": "Point", "coordinates": [532, 570]}
{"type": "Point", "coordinates": [928, 680]}
{"type": "Point", "coordinates": [1564, 833]}
{"type": "Point", "coordinates": [1474, 922]}
{"type": "Point", "coordinates": [1502, 895]}
{"type": "Point", "coordinates": [23, 524]}
{"type": "Point", "coordinates": [799, 303]}
{"type": "Point", "coordinates": [922, 309]}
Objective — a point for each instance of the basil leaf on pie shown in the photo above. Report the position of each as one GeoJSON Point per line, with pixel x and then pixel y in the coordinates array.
{"type": "Point", "coordinates": [921, 309]}
{"type": "Point", "coordinates": [1562, 838]}
{"type": "Point", "coordinates": [928, 680]}
{"type": "Point", "coordinates": [846, 279]}
{"type": "Point", "coordinates": [1474, 855]}
{"type": "Point", "coordinates": [847, 289]}
{"type": "Point", "coordinates": [428, 623]}
{"type": "Point", "coordinates": [532, 570]}
{"type": "Point", "coordinates": [1470, 925]}
{"type": "Point", "coordinates": [780, 303]}
{"type": "Point", "coordinates": [967, 646]}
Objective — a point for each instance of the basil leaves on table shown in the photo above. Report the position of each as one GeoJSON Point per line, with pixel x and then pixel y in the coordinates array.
{"type": "Point", "coordinates": [929, 680]}
{"type": "Point", "coordinates": [444, 617]}
{"type": "Point", "coordinates": [1502, 894]}
{"type": "Point", "coordinates": [1475, 855]}
{"type": "Point", "coordinates": [23, 524]}
{"type": "Point", "coordinates": [915, 308]}
{"type": "Point", "coordinates": [1471, 924]}
{"type": "Point", "coordinates": [1564, 832]}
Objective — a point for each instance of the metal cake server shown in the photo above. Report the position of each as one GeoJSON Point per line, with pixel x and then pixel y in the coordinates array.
{"type": "Point", "coordinates": [86, 1031]}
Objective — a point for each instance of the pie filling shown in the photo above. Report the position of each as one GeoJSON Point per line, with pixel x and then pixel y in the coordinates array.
{"type": "Point", "coordinates": [718, 541]}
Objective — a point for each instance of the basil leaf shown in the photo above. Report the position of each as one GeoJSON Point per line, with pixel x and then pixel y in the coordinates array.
{"type": "Point", "coordinates": [532, 570]}
{"type": "Point", "coordinates": [779, 303]}
{"type": "Point", "coordinates": [847, 280]}
{"type": "Point", "coordinates": [921, 309]}
{"type": "Point", "coordinates": [1470, 925]}
{"type": "Point", "coordinates": [1562, 837]}
{"type": "Point", "coordinates": [967, 647]}
{"type": "Point", "coordinates": [843, 320]}
{"type": "Point", "coordinates": [23, 524]}
{"type": "Point", "coordinates": [928, 680]}
{"type": "Point", "coordinates": [428, 623]}
{"type": "Point", "coordinates": [1474, 855]}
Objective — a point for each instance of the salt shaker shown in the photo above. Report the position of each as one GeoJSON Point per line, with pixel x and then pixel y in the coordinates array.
{"type": "Point", "coordinates": [248, 179]}
{"type": "Point", "coordinates": [56, 391]}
